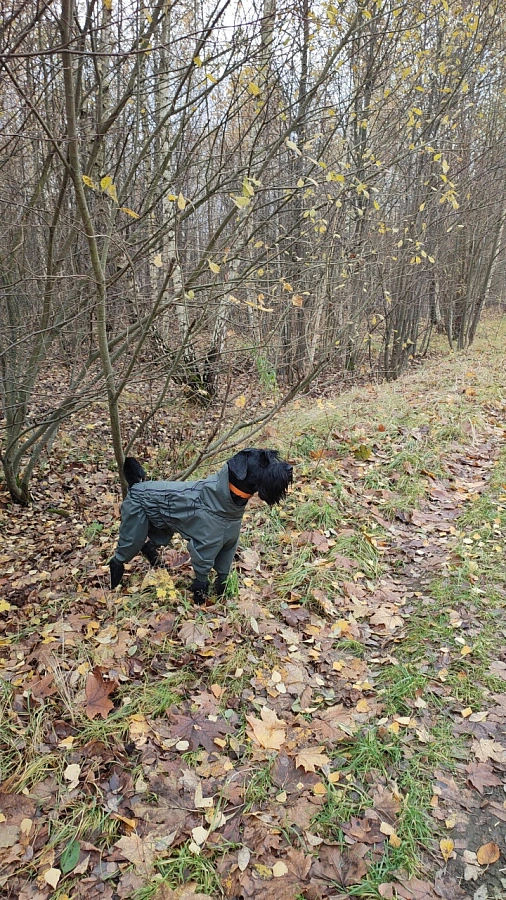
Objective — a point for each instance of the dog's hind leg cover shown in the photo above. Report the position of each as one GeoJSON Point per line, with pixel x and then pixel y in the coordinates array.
{"type": "Point", "coordinates": [133, 530]}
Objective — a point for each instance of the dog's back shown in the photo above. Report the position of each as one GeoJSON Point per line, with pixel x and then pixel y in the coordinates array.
{"type": "Point", "coordinates": [133, 471]}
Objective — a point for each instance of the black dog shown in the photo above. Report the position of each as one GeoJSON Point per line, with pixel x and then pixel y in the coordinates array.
{"type": "Point", "coordinates": [207, 513]}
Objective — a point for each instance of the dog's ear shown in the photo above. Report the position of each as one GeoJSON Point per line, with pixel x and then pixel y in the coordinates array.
{"type": "Point", "coordinates": [266, 457]}
{"type": "Point", "coordinates": [238, 464]}
{"type": "Point", "coordinates": [133, 471]}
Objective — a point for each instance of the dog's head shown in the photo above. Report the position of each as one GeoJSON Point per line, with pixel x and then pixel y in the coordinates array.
{"type": "Point", "coordinates": [262, 472]}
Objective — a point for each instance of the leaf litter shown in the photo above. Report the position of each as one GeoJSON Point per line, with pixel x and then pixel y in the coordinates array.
{"type": "Point", "coordinates": [232, 738]}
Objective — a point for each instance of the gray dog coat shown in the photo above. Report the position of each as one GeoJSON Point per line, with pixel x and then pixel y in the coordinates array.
{"type": "Point", "coordinates": [203, 512]}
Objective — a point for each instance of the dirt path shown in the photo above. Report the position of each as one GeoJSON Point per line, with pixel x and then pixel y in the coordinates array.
{"type": "Point", "coordinates": [469, 797]}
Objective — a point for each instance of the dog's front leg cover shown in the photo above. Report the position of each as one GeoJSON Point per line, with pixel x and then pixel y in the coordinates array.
{"type": "Point", "coordinates": [117, 572]}
{"type": "Point", "coordinates": [200, 591]}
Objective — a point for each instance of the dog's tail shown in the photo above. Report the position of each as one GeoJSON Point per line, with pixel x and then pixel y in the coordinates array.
{"type": "Point", "coordinates": [133, 471]}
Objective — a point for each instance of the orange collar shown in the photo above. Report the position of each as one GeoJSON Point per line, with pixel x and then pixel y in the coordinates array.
{"type": "Point", "coordinates": [238, 492]}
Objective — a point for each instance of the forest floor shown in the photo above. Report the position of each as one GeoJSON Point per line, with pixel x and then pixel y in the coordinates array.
{"type": "Point", "coordinates": [335, 728]}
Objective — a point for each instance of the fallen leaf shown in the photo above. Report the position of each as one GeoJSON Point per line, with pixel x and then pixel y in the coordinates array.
{"type": "Point", "coordinates": [268, 731]}
{"type": "Point", "coordinates": [279, 869]}
{"type": "Point", "coordinates": [485, 749]}
{"type": "Point", "coordinates": [98, 690]}
{"type": "Point", "coordinates": [488, 854]}
{"type": "Point", "coordinates": [71, 774]}
{"type": "Point", "coordinates": [138, 851]}
{"type": "Point", "coordinates": [197, 730]}
{"type": "Point", "coordinates": [446, 846]}
{"type": "Point", "coordinates": [243, 858]}
{"type": "Point", "coordinates": [311, 758]}
{"type": "Point", "coordinates": [9, 835]}
{"type": "Point", "coordinates": [193, 634]}
{"type": "Point", "coordinates": [52, 877]}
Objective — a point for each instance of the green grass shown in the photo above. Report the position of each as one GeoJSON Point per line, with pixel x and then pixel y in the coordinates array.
{"type": "Point", "coordinates": [183, 866]}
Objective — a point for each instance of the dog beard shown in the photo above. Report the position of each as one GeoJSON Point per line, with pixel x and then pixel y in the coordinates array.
{"type": "Point", "coordinates": [274, 481]}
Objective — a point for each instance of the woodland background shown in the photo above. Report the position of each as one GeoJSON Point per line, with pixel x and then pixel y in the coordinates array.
{"type": "Point", "coordinates": [205, 211]}
{"type": "Point", "coordinates": [200, 198]}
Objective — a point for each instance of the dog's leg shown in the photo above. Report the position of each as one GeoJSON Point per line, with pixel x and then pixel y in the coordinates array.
{"type": "Point", "coordinates": [132, 536]}
{"type": "Point", "coordinates": [150, 551]}
{"type": "Point", "coordinates": [200, 591]}
{"type": "Point", "coordinates": [117, 571]}
{"type": "Point", "coordinates": [220, 584]}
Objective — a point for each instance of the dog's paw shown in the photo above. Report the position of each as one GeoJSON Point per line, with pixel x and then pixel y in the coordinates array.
{"type": "Point", "coordinates": [200, 590]}
{"type": "Point", "coordinates": [117, 572]}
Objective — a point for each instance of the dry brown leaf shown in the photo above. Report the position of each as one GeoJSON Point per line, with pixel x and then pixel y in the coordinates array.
{"type": "Point", "coordinates": [311, 758]}
{"type": "Point", "coordinates": [9, 835]}
{"type": "Point", "coordinates": [485, 749]}
{"type": "Point", "coordinates": [488, 854]}
{"type": "Point", "coordinates": [193, 635]}
{"type": "Point", "coordinates": [386, 616]}
{"type": "Point", "coordinates": [138, 851]}
{"type": "Point", "coordinates": [268, 731]}
{"type": "Point", "coordinates": [98, 690]}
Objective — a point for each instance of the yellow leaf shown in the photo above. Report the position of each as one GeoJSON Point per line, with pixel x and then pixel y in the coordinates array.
{"type": "Point", "coordinates": [394, 841]}
{"type": "Point", "coordinates": [263, 871]}
{"type": "Point", "coordinates": [105, 182]}
{"type": "Point", "coordinates": [113, 194]}
{"type": "Point", "coordinates": [4, 606]}
{"type": "Point", "coordinates": [241, 402]}
{"type": "Point", "coordinates": [445, 166]}
{"type": "Point", "coordinates": [197, 61]}
{"type": "Point", "coordinates": [319, 789]}
{"type": "Point", "coordinates": [248, 191]}
{"type": "Point", "coordinates": [89, 183]}
{"type": "Point", "coordinates": [240, 202]}
{"type": "Point", "coordinates": [446, 846]}
{"type": "Point", "coordinates": [171, 197]}
{"type": "Point", "coordinates": [293, 146]}
{"type": "Point", "coordinates": [181, 202]}
{"type": "Point", "coordinates": [254, 89]}
{"type": "Point", "coordinates": [213, 266]}
{"type": "Point", "coordinates": [130, 212]}
{"type": "Point", "coordinates": [466, 650]}
{"type": "Point", "coordinates": [297, 300]}
{"type": "Point", "coordinates": [287, 286]}
{"type": "Point", "coordinates": [107, 4]}
{"type": "Point", "coordinates": [157, 261]}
